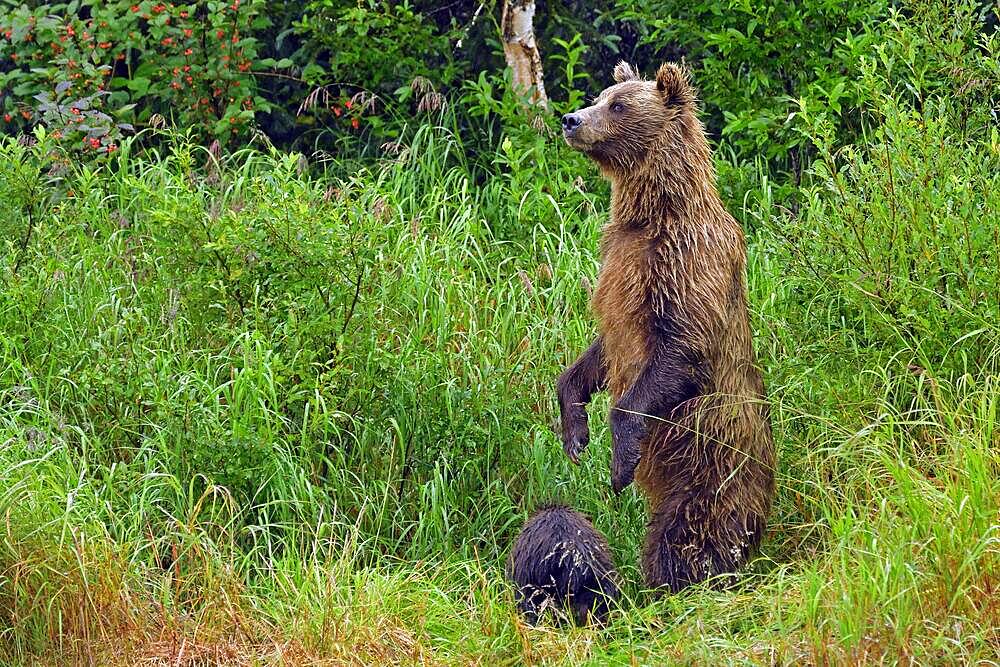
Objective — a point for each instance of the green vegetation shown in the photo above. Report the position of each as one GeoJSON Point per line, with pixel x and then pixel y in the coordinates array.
{"type": "Point", "coordinates": [266, 408]}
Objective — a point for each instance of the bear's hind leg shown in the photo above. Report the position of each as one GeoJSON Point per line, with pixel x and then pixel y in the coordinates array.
{"type": "Point", "coordinates": [687, 544]}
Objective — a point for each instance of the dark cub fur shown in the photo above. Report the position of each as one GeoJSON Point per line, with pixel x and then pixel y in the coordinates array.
{"type": "Point", "coordinates": [561, 563]}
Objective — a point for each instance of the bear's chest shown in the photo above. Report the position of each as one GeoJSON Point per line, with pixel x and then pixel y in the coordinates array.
{"type": "Point", "coordinates": [621, 305]}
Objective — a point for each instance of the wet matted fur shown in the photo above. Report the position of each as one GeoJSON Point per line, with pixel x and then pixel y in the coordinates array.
{"type": "Point", "coordinates": [690, 420]}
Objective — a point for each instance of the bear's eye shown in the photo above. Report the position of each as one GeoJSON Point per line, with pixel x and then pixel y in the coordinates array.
{"type": "Point", "coordinates": [618, 107]}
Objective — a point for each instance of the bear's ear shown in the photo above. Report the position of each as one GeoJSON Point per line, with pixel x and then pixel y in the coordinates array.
{"type": "Point", "coordinates": [624, 72]}
{"type": "Point", "coordinates": [674, 84]}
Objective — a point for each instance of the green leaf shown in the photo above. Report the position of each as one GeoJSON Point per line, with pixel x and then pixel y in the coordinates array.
{"type": "Point", "coordinates": [139, 85]}
{"type": "Point", "coordinates": [312, 72]}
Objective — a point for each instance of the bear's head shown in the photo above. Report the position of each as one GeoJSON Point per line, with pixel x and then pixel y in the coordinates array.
{"type": "Point", "coordinates": [634, 117]}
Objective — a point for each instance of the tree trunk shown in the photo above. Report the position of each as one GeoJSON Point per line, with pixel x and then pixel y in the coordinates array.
{"type": "Point", "coordinates": [521, 51]}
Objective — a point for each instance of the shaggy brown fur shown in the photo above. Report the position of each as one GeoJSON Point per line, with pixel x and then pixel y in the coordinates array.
{"type": "Point", "coordinates": [690, 420]}
{"type": "Point", "coordinates": [560, 563]}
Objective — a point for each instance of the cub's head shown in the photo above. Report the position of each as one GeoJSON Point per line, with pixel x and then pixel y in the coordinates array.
{"type": "Point", "coordinates": [632, 117]}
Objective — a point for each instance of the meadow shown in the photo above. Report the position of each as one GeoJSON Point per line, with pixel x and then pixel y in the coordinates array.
{"type": "Point", "coordinates": [269, 407]}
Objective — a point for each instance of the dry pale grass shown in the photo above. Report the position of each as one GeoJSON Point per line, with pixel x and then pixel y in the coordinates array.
{"type": "Point", "coordinates": [83, 609]}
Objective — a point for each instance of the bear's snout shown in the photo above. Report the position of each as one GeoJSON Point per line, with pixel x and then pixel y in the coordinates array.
{"type": "Point", "coordinates": [570, 122]}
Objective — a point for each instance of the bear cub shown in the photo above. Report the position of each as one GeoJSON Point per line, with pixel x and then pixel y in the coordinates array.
{"type": "Point", "coordinates": [561, 564]}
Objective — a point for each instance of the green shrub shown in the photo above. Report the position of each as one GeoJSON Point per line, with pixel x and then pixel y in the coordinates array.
{"type": "Point", "coordinates": [896, 241]}
{"type": "Point", "coordinates": [755, 62]}
{"type": "Point", "coordinates": [190, 63]}
{"type": "Point", "coordinates": [375, 46]}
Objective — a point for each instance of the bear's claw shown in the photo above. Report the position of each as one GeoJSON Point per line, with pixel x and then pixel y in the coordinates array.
{"type": "Point", "coordinates": [574, 446]}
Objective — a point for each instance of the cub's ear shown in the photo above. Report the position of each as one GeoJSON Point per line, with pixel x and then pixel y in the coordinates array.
{"type": "Point", "coordinates": [624, 72]}
{"type": "Point", "coordinates": [674, 84]}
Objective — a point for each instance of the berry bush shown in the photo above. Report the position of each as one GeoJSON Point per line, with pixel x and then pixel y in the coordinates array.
{"type": "Point", "coordinates": [71, 65]}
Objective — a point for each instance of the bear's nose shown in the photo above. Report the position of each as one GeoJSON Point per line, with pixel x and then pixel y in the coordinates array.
{"type": "Point", "coordinates": [570, 122]}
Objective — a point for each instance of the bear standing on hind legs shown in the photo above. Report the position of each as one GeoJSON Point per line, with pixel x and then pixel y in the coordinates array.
{"type": "Point", "coordinates": [689, 422]}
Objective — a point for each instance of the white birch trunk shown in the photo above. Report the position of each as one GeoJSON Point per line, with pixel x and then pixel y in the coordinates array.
{"type": "Point", "coordinates": [519, 47]}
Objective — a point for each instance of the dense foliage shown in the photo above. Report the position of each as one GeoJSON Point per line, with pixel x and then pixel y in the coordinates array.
{"type": "Point", "coordinates": [265, 406]}
{"type": "Point", "coordinates": [346, 76]}
{"type": "Point", "coordinates": [190, 63]}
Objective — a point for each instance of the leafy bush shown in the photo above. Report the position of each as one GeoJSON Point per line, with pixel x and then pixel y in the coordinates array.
{"type": "Point", "coordinates": [897, 233]}
{"type": "Point", "coordinates": [71, 120]}
{"type": "Point", "coordinates": [367, 73]}
{"type": "Point", "coordinates": [190, 63]}
{"type": "Point", "coordinates": [373, 45]}
{"type": "Point", "coordinates": [755, 63]}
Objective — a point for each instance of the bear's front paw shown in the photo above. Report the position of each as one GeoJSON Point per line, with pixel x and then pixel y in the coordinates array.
{"type": "Point", "coordinates": [576, 436]}
{"type": "Point", "coordinates": [623, 467]}
{"type": "Point", "coordinates": [626, 433]}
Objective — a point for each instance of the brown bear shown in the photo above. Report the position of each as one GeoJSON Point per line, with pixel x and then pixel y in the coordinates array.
{"type": "Point", "coordinates": [690, 420]}
{"type": "Point", "coordinates": [561, 564]}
